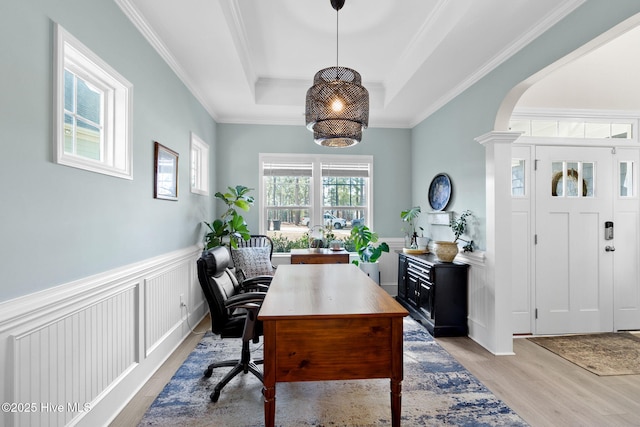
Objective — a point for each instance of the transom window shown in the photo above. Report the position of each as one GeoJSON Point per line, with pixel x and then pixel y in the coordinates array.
{"type": "Point", "coordinates": [93, 111]}
{"type": "Point", "coordinates": [300, 192]}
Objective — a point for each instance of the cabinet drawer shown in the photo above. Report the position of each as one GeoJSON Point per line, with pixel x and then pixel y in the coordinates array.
{"type": "Point", "coordinates": [420, 270]}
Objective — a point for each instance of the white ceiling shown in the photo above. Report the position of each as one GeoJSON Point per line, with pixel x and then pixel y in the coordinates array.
{"type": "Point", "coordinates": [252, 61]}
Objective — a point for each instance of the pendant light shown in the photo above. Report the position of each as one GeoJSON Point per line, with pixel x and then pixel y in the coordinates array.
{"type": "Point", "coordinates": [337, 106]}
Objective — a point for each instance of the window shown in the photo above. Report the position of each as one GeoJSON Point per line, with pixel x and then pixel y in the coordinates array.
{"type": "Point", "coordinates": [572, 179]}
{"type": "Point", "coordinates": [578, 128]}
{"type": "Point", "coordinates": [93, 111]}
{"type": "Point", "coordinates": [199, 166]}
{"type": "Point", "coordinates": [298, 192]}
{"type": "Point", "coordinates": [518, 177]}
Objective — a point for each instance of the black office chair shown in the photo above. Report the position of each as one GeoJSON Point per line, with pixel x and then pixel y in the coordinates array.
{"type": "Point", "coordinates": [253, 257]}
{"type": "Point", "coordinates": [234, 310]}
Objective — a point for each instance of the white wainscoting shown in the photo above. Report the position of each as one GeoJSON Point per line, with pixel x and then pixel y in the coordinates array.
{"type": "Point", "coordinates": [478, 302]}
{"type": "Point", "coordinates": [76, 353]}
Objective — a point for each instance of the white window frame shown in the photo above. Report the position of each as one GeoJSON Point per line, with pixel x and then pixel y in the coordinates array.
{"type": "Point", "coordinates": [116, 147]}
{"type": "Point", "coordinates": [199, 165]}
{"type": "Point", "coordinates": [317, 213]}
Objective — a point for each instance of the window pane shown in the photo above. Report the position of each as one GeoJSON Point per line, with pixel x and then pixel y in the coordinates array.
{"type": "Point", "coordinates": [88, 141]}
{"type": "Point", "coordinates": [570, 130]}
{"type": "Point", "coordinates": [517, 177]}
{"type": "Point", "coordinates": [587, 179]}
{"type": "Point", "coordinates": [621, 130]}
{"type": "Point", "coordinates": [557, 171]}
{"type": "Point", "coordinates": [597, 130]}
{"type": "Point", "coordinates": [69, 131]}
{"type": "Point", "coordinates": [69, 93]}
{"type": "Point", "coordinates": [572, 175]}
{"type": "Point", "coordinates": [626, 179]}
{"type": "Point", "coordinates": [89, 102]}
{"type": "Point", "coordinates": [544, 128]}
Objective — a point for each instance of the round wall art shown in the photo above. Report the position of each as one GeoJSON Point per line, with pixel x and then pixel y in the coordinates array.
{"type": "Point", "coordinates": [440, 192]}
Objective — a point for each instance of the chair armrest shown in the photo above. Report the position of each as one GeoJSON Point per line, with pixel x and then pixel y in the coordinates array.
{"type": "Point", "coordinates": [248, 300]}
{"type": "Point", "coordinates": [257, 282]}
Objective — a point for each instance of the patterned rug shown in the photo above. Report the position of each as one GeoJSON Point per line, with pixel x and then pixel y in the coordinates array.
{"type": "Point", "coordinates": [436, 391]}
{"type": "Point", "coordinates": [610, 353]}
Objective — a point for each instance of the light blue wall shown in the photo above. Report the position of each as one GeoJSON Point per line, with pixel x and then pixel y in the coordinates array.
{"type": "Point", "coordinates": [237, 163]}
{"type": "Point", "coordinates": [444, 142]}
{"type": "Point", "coordinates": [60, 223]}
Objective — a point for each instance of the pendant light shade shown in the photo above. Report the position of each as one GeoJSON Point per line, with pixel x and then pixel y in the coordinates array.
{"type": "Point", "coordinates": [337, 105]}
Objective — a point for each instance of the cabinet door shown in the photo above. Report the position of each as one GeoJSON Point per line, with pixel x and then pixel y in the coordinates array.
{"type": "Point", "coordinates": [426, 302]}
{"type": "Point", "coordinates": [412, 288]}
{"type": "Point", "coordinates": [402, 277]}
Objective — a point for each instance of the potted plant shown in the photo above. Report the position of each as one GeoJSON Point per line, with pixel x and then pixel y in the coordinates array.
{"type": "Point", "coordinates": [363, 240]}
{"type": "Point", "coordinates": [231, 226]}
{"type": "Point", "coordinates": [409, 216]}
{"type": "Point", "coordinates": [447, 251]}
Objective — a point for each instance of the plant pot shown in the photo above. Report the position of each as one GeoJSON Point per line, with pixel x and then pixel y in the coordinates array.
{"type": "Point", "coordinates": [422, 242]}
{"type": "Point", "coordinates": [372, 269]}
{"type": "Point", "coordinates": [445, 251]}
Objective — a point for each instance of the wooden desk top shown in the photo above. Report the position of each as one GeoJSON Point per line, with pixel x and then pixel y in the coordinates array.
{"type": "Point", "coordinates": [326, 290]}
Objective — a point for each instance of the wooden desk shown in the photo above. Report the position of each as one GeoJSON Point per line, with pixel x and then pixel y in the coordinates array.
{"type": "Point", "coordinates": [330, 322]}
{"type": "Point", "coordinates": [319, 256]}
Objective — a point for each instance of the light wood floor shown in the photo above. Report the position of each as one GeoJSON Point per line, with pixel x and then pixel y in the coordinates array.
{"type": "Point", "coordinates": [544, 389]}
{"type": "Point", "coordinates": [547, 390]}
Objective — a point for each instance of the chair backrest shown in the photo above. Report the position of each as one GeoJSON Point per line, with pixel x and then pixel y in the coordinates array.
{"type": "Point", "coordinates": [218, 284]}
{"type": "Point", "coordinates": [253, 257]}
{"type": "Point", "coordinates": [257, 241]}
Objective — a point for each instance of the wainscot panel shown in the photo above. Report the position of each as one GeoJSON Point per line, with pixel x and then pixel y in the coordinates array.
{"type": "Point", "coordinates": [75, 354]}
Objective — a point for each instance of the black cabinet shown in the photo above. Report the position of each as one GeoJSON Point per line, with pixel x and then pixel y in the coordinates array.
{"type": "Point", "coordinates": [435, 293]}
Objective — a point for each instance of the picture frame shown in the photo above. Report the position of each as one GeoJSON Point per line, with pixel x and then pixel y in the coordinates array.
{"type": "Point", "coordinates": [165, 173]}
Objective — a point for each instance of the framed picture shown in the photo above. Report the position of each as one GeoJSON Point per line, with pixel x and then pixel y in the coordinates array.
{"type": "Point", "coordinates": [166, 173]}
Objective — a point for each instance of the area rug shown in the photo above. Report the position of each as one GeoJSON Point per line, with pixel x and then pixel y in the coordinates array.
{"type": "Point", "coordinates": [611, 353]}
{"type": "Point", "coordinates": [436, 391]}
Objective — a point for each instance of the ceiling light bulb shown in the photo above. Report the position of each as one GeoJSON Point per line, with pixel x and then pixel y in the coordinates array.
{"type": "Point", "coordinates": [337, 105]}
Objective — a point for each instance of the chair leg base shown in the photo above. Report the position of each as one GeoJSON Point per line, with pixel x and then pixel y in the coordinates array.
{"type": "Point", "coordinates": [238, 367]}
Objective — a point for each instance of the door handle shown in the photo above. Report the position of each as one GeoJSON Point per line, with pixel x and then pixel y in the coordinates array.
{"type": "Point", "coordinates": [610, 248]}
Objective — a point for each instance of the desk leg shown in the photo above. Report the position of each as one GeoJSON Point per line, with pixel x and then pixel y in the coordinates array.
{"type": "Point", "coordinates": [397, 370]}
{"type": "Point", "coordinates": [396, 402]}
{"type": "Point", "coordinates": [269, 369]}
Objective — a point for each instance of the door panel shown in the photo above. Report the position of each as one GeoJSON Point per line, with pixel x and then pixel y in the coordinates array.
{"type": "Point", "coordinates": [574, 274]}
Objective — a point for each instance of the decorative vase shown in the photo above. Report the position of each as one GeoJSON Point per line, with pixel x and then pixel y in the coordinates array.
{"type": "Point", "coordinates": [445, 251]}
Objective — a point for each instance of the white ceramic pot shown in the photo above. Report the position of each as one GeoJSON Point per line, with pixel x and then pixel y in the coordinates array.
{"type": "Point", "coordinates": [422, 242]}
{"type": "Point", "coordinates": [372, 269]}
{"type": "Point", "coordinates": [445, 251]}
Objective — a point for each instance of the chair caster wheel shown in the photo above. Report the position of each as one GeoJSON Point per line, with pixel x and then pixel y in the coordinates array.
{"type": "Point", "coordinates": [208, 372]}
{"type": "Point", "coordinates": [215, 396]}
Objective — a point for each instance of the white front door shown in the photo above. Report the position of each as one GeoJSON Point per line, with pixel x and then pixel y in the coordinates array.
{"type": "Point", "coordinates": [573, 260]}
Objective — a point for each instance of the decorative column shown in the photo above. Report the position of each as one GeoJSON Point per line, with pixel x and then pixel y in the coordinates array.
{"type": "Point", "coordinates": [498, 331]}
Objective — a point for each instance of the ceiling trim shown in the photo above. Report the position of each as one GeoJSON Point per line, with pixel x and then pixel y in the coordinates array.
{"type": "Point", "coordinates": [556, 15]}
{"type": "Point", "coordinates": [233, 17]}
{"type": "Point", "coordinates": [134, 15]}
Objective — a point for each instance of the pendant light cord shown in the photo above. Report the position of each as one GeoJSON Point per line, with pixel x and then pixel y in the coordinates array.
{"type": "Point", "coordinates": [337, 41]}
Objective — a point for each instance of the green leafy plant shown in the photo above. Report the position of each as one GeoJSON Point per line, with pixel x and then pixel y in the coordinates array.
{"type": "Point", "coordinates": [409, 216]}
{"type": "Point", "coordinates": [363, 240]}
{"type": "Point", "coordinates": [231, 224]}
{"type": "Point", "coordinates": [459, 226]}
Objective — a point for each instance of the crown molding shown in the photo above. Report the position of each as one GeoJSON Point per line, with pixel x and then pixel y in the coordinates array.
{"type": "Point", "coordinates": [555, 16]}
{"type": "Point", "coordinates": [141, 24]}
